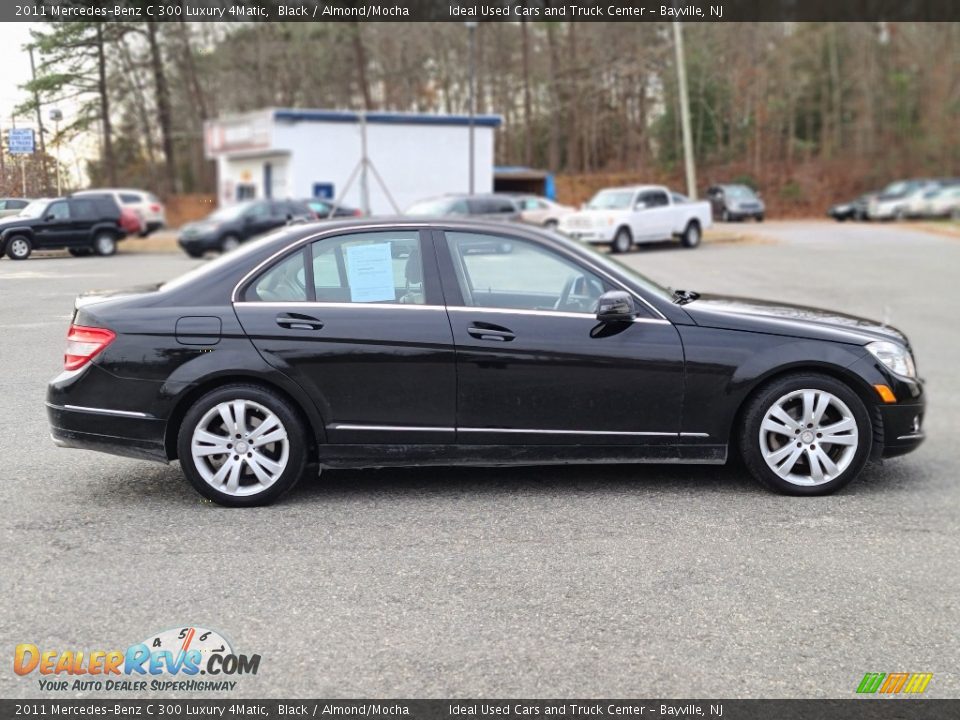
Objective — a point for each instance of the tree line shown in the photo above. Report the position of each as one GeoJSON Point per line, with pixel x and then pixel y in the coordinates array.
{"type": "Point", "coordinates": [770, 102]}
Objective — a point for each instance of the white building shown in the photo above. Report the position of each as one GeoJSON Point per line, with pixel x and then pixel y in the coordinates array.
{"type": "Point", "coordinates": [287, 153]}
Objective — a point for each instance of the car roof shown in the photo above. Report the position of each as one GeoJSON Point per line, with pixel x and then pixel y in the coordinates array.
{"type": "Point", "coordinates": [635, 188]}
{"type": "Point", "coordinates": [111, 190]}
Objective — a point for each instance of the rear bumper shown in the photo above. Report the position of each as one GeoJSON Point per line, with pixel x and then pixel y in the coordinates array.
{"type": "Point", "coordinates": [111, 431]}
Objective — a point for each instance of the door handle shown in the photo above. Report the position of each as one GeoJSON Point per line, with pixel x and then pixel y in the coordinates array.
{"type": "Point", "coordinates": [296, 321]}
{"type": "Point", "coordinates": [486, 331]}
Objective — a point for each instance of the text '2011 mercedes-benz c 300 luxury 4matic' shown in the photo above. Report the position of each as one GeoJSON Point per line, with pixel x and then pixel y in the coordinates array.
{"type": "Point", "coordinates": [389, 343]}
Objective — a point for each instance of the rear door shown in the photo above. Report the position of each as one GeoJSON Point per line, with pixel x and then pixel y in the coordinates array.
{"type": "Point", "coordinates": [358, 321]}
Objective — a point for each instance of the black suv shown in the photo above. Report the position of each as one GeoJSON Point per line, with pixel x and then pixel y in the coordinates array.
{"type": "Point", "coordinates": [226, 228]}
{"type": "Point", "coordinates": [81, 225]}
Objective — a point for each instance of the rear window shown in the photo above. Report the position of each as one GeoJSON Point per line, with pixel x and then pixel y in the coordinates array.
{"type": "Point", "coordinates": [130, 198]}
{"type": "Point", "coordinates": [15, 204]}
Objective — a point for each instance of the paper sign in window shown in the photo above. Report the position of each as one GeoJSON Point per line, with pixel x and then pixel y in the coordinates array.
{"type": "Point", "coordinates": [370, 273]}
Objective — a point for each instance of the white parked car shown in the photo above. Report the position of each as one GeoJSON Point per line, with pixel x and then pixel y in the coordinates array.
{"type": "Point", "coordinates": [944, 202]}
{"type": "Point", "coordinates": [895, 200]}
{"type": "Point", "coordinates": [622, 217]}
{"type": "Point", "coordinates": [542, 211]}
{"type": "Point", "coordinates": [147, 206]}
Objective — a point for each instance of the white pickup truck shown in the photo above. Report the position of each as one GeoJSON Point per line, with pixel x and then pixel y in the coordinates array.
{"type": "Point", "coordinates": [621, 217]}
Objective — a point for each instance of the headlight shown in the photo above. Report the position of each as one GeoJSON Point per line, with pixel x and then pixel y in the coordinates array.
{"type": "Point", "coordinates": [894, 357]}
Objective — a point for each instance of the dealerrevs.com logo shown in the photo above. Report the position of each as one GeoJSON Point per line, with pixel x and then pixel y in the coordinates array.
{"type": "Point", "coordinates": [189, 659]}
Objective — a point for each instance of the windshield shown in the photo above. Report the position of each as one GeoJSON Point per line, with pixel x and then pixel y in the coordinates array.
{"type": "Point", "coordinates": [739, 192]}
{"type": "Point", "coordinates": [605, 260]}
{"type": "Point", "coordinates": [430, 207]}
{"type": "Point", "coordinates": [34, 209]}
{"type": "Point", "coordinates": [611, 200]}
{"type": "Point", "coordinates": [231, 212]}
{"type": "Point", "coordinates": [897, 188]}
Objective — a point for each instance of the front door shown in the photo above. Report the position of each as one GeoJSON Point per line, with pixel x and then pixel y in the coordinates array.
{"type": "Point", "coordinates": [357, 320]}
{"type": "Point", "coordinates": [57, 226]}
{"type": "Point", "coordinates": [535, 367]}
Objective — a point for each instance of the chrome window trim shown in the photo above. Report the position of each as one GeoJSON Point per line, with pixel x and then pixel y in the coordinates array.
{"type": "Point", "coordinates": [418, 226]}
{"type": "Point", "coordinates": [344, 305]}
{"type": "Point", "coordinates": [549, 313]}
{"type": "Point", "coordinates": [105, 411]}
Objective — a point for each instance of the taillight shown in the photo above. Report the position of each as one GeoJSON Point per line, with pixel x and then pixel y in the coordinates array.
{"type": "Point", "coordinates": [154, 208]}
{"type": "Point", "coordinates": [357, 213]}
{"type": "Point", "coordinates": [84, 344]}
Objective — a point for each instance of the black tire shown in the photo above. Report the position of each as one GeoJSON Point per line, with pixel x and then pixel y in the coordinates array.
{"type": "Point", "coordinates": [725, 215]}
{"type": "Point", "coordinates": [229, 242]}
{"type": "Point", "coordinates": [292, 423]}
{"type": "Point", "coordinates": [759, 218]}
{"type": "Point", "coordinates": [80, 252]}
{"type": "Point", "coordinates": [551, 224]}
{"type": "Point", "coordinates": [105, 244]}
{"type": "Point", "coordinates": [766, 397]}
{"type": "Point", "coordinates": [622, 242]}
{"type": "Point", "coordinates": [19, 247]}
{"type": "Point", "coordinates": [691, 235]}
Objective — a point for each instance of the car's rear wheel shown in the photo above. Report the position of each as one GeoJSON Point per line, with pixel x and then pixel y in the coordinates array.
{"type": "Point", "coordinates": [230, 242]}
{"type": "Point", "coordinates": [242, 445]}
{"type": "Point", "coordinates": [19, 247]}
{"type": "Point", "coordinates": [551, 224]}
{"type": "Point", "coordinates": [104, 244]}
{"type": "Point", "coordinates": [691, 235]}
{"type": "Point", "coordinates": [806, 434]}
{"type": "Point", "coordinates": [622, 241]}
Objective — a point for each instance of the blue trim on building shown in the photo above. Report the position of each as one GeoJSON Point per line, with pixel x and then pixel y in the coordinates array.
{"type": "Point", "coordinates": [384, 118]}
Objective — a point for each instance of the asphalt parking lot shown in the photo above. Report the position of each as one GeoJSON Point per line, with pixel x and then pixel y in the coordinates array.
{"type": "Point", "coordinates": [581, 581]}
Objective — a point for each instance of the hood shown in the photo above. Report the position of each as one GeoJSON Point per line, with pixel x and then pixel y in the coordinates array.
{"type": "Point", "coordinates": [753, 315]}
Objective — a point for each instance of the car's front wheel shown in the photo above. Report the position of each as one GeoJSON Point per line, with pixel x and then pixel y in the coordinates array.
{"type": "Point", "coordinates": [242, 445]}
{"type": "Point", "coordinates": [229, 242]}
{"type": "Point", "coordinates": [19, 247]}
{"type": "Point", "coordinates": [691, 235]}
{"type": "Point", "coordinates": [806, 434]}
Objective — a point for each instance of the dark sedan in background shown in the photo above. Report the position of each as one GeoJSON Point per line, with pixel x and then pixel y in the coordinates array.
{"type": "Point", "coordinates": [735, 202]}
{"type": "Point", "coordinates": [225, 229]}
{"type": "Point", "coordinates": [388, 342]}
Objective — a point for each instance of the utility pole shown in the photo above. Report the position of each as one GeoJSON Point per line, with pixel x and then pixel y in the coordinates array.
{"type": "Point", "coordinates": [364, 162]}
{"type": "Point", "coordinates": [472, 35]}
{"type": "Point", "coordinates": [685, 112]}
{"type": "Point", "coordinates": [36, 103]}
{"type": "Point", "coordinates": [57, 116]}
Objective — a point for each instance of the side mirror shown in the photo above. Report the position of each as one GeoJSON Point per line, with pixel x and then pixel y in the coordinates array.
{"type": "Point", "coordinates": [641, 205]}
{"type": "Point", "coordinates": [49, 218]}
{"type": "Point", "coordinates": [616, 306]}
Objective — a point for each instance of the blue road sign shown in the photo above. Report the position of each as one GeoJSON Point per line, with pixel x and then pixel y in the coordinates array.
{"type": "Point", "coordinates": [21, 141]}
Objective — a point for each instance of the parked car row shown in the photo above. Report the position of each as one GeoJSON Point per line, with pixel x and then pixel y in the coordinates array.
{"type": "Point", "coordinates": [904, 199]}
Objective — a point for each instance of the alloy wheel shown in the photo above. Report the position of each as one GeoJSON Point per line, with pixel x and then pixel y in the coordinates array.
{"type": "Point", "coordinates": [240, 447]}
{"type": "Point", "coordinates": [809, 437]}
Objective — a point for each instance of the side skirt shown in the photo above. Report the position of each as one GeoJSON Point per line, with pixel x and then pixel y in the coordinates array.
{"type": "Point", "coordinates": [373, 456]}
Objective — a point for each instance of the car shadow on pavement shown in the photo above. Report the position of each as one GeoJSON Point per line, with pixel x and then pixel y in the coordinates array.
{"type": "Point", "coordinates": [167, 486]}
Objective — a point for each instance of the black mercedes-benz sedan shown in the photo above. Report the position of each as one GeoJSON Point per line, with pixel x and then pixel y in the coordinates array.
{"type": "Point", "coordinates": [398, 342]}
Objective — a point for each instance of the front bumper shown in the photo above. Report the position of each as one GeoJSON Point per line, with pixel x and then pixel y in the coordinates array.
{"type": "Point", "coordinates": [199, 243]}
{"type": "Point", "coordinates": [901, 427]}
{"type": "Point", "coordinates": [592, 236]}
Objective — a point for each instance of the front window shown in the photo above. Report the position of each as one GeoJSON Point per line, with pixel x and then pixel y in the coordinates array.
{"type": "Point", "coordinates": [508, 273]}
{"type": "Point", "coordinates": [611, 200]}
{"type": "Point", "coordinates": [58, 211]}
